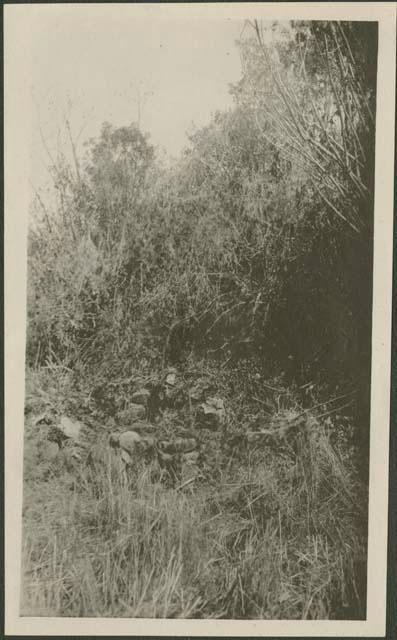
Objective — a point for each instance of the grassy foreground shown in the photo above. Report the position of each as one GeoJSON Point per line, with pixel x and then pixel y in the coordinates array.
{"type": "Point", "coordinates": [273, 529]}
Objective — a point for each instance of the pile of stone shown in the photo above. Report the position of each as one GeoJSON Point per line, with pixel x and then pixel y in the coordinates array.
{"type": "Point", "coordinates": [175, 454]}
{"type": "Point", "coordinates": [172, 455]}
{"type": "Point", "coordinates": [135, 439]}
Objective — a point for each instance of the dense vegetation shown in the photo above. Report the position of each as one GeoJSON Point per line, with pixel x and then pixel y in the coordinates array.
{"type": "Point", "coordinates": [249, 261]}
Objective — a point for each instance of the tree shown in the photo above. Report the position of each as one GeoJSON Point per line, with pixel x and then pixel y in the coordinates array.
{"type": "Point", "coordinates": [313, 95]}
{"type": "Point", "coordinates": [116, 172]}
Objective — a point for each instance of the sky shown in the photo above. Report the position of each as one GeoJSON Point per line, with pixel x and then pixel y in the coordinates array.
{"type": "Point", "coordinates": [118, 66]}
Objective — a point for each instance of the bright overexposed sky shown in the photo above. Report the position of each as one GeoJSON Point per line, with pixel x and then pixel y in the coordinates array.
{"type": "Point", "coordinates": [97, 65]}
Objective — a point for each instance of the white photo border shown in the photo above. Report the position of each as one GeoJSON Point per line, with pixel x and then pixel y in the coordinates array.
{"type": "Point", "coordinates": [19, 22]}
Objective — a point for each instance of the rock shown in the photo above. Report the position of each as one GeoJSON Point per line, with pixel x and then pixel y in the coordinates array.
{"type": "Point", "coordinates": [191, 457]}
{"type": "Point", "coordinates": [178, 445]}
{"type": "Point", "coordinates": [171, 379]}
{"type": "Point", "coordinates": [212, 412]}
{"type": "Point", "coordinates": [66, 430]}
{"type": "Point", "coordinates": [141, 397]}
{"type": "Point", "coordinates": [133, 446]}
{"type": "Point", "coordinates": [128, 440]}
{"type": "Point", "coordinates": [132, 413]}
{"type": "Point", "coordinates": [214, 405]}
{"type": "Point", "coordinates": [130, 444]}
{"type": "Point", "coordinates": [70, 428]}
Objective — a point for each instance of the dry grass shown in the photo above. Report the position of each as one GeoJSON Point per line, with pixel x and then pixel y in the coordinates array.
{"type": "Point", "coordinates": [279, 535]}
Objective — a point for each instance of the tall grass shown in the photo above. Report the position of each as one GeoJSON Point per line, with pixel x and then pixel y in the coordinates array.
{"type": "Point", "coordinates": [280, 534]}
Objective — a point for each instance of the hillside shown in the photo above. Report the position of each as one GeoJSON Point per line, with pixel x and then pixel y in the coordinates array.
{"type": "Point", "coordinates": [198, 353]}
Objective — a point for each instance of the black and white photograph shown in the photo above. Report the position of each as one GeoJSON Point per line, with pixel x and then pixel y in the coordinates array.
{"type": "Point", "coordinates": [205, 271]}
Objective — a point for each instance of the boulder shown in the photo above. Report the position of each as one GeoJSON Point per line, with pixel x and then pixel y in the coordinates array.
{"type": "Point", "coordinates": [212, 413]}
{"type": "Point", "coordinates": [171, 379]}
{"type": "Point", "coordinates": [130, 444]}
{"type": "Point", "coordinates": [66, 430]}
{"type": "Point", "coordinates": [128, 440]}
{"type": "Point", "coordinates": [70, 428]}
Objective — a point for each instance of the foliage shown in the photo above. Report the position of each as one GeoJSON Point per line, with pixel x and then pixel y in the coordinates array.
{"type": "Point", "coordinates": [246, 264]}
{"type": "Point", "coordinates": [314, 99]}
{"type": "Point", "coordinates": [250, 245]}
